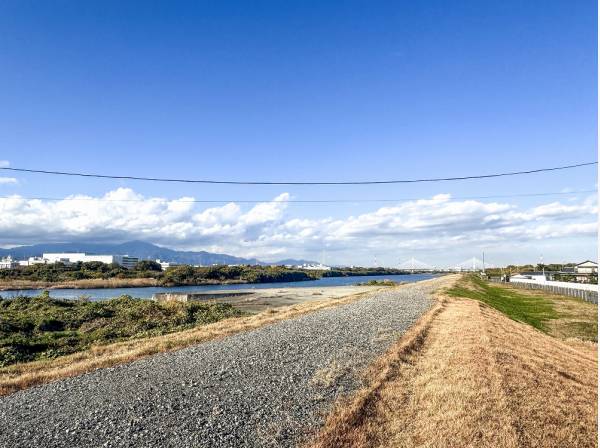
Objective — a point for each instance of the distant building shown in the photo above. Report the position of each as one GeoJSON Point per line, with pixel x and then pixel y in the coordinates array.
{"type": "Point", "coordinates": [580, 273]}
{"type": "Point", "coordinates": [69, 258]}
{"type": "Point", "coordinates": [166, 264]}
{"type": "Point", "coordinates": [587, 267]}
{"type": "Point", "coordinates": [33, 260]}
{"type": "Point", "coordinates": [539, 277]}
{"type": "Point", "coordinates": [314, 267]}
{"type": "Point", "coordinates": [585, 270]}
{"type": "Point", "coordinates": [8, 263]}
{"type": "Point", "coordinates": [65, 258]}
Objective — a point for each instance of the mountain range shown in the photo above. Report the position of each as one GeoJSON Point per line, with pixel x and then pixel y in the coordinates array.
{"type": "Point", "coordinates": [142, 250]}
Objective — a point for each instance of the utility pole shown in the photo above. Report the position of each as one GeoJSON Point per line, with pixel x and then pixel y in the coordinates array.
{"type": "Point", "coordinates": [483, 261]}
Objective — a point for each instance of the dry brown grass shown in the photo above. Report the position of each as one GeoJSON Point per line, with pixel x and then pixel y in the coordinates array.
{"type": "Point", "coordinates": [577, 318]}
{"type": "Point", "coordinates": [327, 376]}
{"type": "Point", "coordinates": [83, 284]}
{"type": "Point", "coordinates": [467, 376]}
{"type": "Point", "coordinates": [21, 376]}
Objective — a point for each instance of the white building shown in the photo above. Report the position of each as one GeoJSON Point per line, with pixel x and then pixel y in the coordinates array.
{"type": "Point", "coordinates": [33, 260]}
{"type": "Point", "coordinates": [69, 258]}
{"type": "Point", "coordinates": [538, 277]}
{"type": "Point", "coordinates": [8, 263]}
{"type": "Point", "coordinates": [314, 267]}
{"type": "Point", "coordinates": [166, 264]}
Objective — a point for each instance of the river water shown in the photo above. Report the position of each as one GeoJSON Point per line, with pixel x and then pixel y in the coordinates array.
{"type": "Point", "coordinates": [146, 292]}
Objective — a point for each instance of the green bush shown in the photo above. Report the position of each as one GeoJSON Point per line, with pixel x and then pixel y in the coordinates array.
{"type": "Point", "coordinates": [40, 327]}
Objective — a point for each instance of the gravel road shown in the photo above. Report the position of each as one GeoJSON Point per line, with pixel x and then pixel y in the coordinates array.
{"type": "Point", "coordinates": [267, 387]}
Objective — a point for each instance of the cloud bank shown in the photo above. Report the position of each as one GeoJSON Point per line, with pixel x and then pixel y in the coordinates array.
{"type": "Point", "coordinates": [272, 230]}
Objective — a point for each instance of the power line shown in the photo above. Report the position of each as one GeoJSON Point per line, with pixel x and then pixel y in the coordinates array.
{"type": "Point", "coordinates": [293, 201]}
{"type": "Point", "coordinates": [230, 182]}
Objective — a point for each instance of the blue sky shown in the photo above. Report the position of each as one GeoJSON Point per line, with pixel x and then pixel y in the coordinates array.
{"type": "Point", "coordinates": [303, 91]}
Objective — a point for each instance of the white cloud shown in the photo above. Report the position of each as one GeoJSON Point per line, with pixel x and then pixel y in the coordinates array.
{"type": "Point", "coordinates": [268, 230]}
{"type": "Point", "coordinates": [4, 163]}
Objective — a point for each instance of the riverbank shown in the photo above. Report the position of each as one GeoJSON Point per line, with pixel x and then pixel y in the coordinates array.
{"type": "Point", "coordinates": [266, 387]}
{"type": "Point", "coordinates": [147, 292]}
{"type": "Point", "coordinates": [272, 306]}
{"type": "Point", "coordinates": [95, 275]}
{"type": "Point", "coordinates": [95, 283]}
{"type": "Point", "coordinates": [38, 328]}
{"type": "Point", "coordinates": [100, 283]}
{"type": "Point", "coordinates": [257, 301]}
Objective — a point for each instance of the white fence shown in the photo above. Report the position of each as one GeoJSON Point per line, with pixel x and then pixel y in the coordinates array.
{"type": "Point", "coordinates": [585, 291]}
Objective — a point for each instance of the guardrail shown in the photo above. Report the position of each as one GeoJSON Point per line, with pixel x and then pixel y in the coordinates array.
{"type": "Point", "coordinates": [583, 291]}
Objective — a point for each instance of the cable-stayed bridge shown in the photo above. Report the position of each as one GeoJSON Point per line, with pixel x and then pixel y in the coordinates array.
{"type": "Point", "coordinates": [416, 265]}
{"type": "Point", "coordinates": [468, 265]}
{"type": "Point", "coordinates": [473, 264]}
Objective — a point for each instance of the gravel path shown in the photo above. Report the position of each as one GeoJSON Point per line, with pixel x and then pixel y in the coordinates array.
{"type": "Point", "coordinates": [267, 387]}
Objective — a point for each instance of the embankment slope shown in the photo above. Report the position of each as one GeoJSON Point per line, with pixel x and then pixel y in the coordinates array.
{"type": "Point", "coordinates": [474, 378]}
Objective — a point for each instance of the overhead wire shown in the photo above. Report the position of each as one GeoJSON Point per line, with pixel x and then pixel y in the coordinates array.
{"type": "Point", "coordinates": [240, 182]}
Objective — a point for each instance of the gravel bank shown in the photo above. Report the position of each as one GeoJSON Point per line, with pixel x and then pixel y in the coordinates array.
{"type": "Point", "coordinates": [267, 387]}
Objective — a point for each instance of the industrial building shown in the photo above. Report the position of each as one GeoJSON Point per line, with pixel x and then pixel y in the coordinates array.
{"type": "Point", "coordinates": [69, 258]}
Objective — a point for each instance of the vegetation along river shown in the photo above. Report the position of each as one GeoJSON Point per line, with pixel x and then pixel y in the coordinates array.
{"type": "Point", "coordinates": [147, 292]}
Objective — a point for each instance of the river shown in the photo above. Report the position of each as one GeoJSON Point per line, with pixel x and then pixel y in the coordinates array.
{"type": "Point", "coordinates": [147, 292]}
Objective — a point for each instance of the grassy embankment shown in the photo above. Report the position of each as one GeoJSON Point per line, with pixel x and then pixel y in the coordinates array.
{"type": "Point", "coordinates": [558, 316]}
{"type": "Point", "coordinates": [488, 366]}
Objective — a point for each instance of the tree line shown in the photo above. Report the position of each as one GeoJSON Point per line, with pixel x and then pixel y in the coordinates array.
{"type": "Point", "coordinates": [179, 275]}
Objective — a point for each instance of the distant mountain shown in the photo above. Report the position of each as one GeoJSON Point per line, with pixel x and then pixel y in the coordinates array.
{"type": "Point", "coordinates": [140, 249]}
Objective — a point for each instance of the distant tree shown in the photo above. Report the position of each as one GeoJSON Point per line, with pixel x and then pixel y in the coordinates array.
{"type": "Point", "coordinates": [148, 265]}
{"type": "Point", "coordinates": [179, 275]}
{"type": "Point", "coordinates": [96, 266]}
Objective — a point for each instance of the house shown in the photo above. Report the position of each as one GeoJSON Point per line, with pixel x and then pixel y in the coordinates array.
{"type": "Point", "coordinates": [585, 270]}
{"type": "Point", "coordinates": [586, 267]}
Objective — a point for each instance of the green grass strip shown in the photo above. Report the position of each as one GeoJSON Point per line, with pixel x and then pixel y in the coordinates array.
{"type": "Point", "coordinates": [533, 310]}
